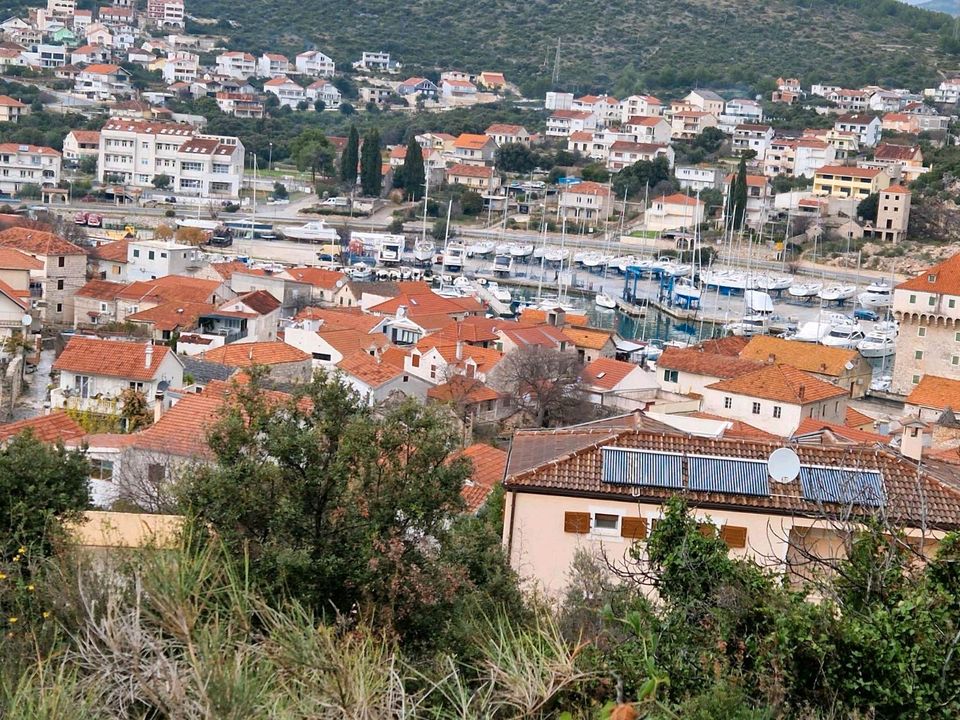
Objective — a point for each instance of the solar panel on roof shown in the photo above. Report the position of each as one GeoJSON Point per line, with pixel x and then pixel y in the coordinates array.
{"type": "Point", "coordinates": [848, 486]}
{"type": "Point", "coordinates": [625, 466]}
{"type": "Point", "coordinates": [728, 475]}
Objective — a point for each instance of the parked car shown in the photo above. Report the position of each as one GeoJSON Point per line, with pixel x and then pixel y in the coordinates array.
{"type": "Point", "coordinates": [336, 202]}
{"type": "Point", "coordinates": [865, 314]}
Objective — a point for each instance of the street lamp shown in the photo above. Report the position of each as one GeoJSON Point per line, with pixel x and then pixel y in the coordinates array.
{"type": "Point", "coordinates": [270, 158]}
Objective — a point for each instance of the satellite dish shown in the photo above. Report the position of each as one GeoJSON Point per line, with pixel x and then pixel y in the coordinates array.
{"type": "Point", "coordinates": [26, 320]}
{"type": "Point", "coordinates": [339, 284]}
{"type": "Point", "coordinates": [783, 465]}
{"type": "Point", "coordinates": [849, 365]}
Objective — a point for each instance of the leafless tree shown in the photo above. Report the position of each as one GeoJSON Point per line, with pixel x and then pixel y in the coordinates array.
{"type": "Point", "coordinates": [544, 382]}
{"type": "Point", "coordinates": [147, 481]}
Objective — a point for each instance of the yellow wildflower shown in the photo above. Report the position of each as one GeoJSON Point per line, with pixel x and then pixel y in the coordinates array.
{"type": "Point", "coordinates": [16, 558]}
{"type": "Point", "coordinates": [46, 613]}
{"type": "Point", "coordinates": [30, 588]}
{"type": "Point", "coordinates": [3, 576]}
{"type": "Point", "coordinates": [22, 550]}
{"type": "Point", "coordinates": [11, 620]}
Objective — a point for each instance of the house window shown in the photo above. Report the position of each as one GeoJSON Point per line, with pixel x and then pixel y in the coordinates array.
{"type": "Point", "coordinates": [756, 408]}
{"type": "Point", "coordinates": [955, 360]}
{"type": "Point", "coordinates": [82, 385]}
{"type": "Point", "coordinates": [136, 254]}
{"type": "Point", "coordinates": [101, 469]}
{"type": "Point", "coordinates": [777, 411]}
{"type": "Point", "coordinates": [406, 378]}
{"type": "Point", "coordinates": [727, 403]}
{"type": "Point", "coordinates": [921, 332]}
{"type": "Point", "coordinates": [155, 473]}
{"type": "Point", "coordinates": [138, 386]}
{"type": "Point", "coordinates": [150, 254]}
{"type": "Point", "coordinates": [913, 299]}
{"type": "Point", "coordinates": [952, 303]}
{"type": "Point", "coordinates": [325, 357]}
{"type": "Point", "coordinates": [605, 524]}
{"type": "Point", "coordinates": [60, 284]}
{"type": "Point", "coordinates": [61, 261]}
{"type": "Point", "coordinates": [415, 360]}
{"type": "Point", "coordinates": [918, 355]}
{"type": "Point", "coordinates": [59, 307]}
{"type": "Point", "coordinates": [670, 376]}
{"type": "Point", "coordinates": [916, 380]}
{"type": "Point", "coordinates": [433, 372]}
{"type": "Point", "coordinates": [932, 300]}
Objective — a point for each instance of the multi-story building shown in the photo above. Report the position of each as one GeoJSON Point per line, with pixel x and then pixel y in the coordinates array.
{"type": "Point", "coordinates": [325, 92]}
{"type": "Point", "coordinates": [376, 62]}
{"type": "Point", "coordinates": [61, 9]}
{"type": "Point", "coordinates": [81, 143]}
{"type": "Point", "coordinates": [849, 182]}
{"type": "Point", "coordinates": [103, 82]}
{"type": "Point", "coordinates": [928, 309]}
{"type": "Point", "coordinates": [893, 214]}
{"type": "Point", "coordinates": [483, 179]}
{"type": "Point", "coordinates": [562, 123]}
{"type": "Point", "coordinates": [707, 101]}
{"type": "Point", "coordinates": [238, 65]}
{"type": "Point", "coordinates": [848, 100]}
{"type": "Point", "coordinates": [240, 104]}
{"type": "Point", "coordinates": [27, 165]}
{"type": "Point", "coordinates": [647, 129]}
{"type": "Point", "coordinates": [181, 67]}
{"type": "Point", "coordinates": [63, 271]}
{"type": "Point", "coordinates": [315, 64]}
{"type": "Point", "coordinates": [197, 164]}
{"type": "Point", "coordinates": [674, 212]}
{"type": "Point", "coordinates": [866, 127]}
{"type": "Point", "coordinates": [624, 153]}
{"type": "Point", "coordinates": [11, 110]}
{"type": "Point", "coordinates": [640, 106]}
{"type": "Point", "coordinates": [689, 124]}
{"type": "Point", "coordinates": [273, 65]}
{"type": "Point", "coordinates": [47, 56]}
{"type": "Point", "coordinates": [152, 259]}
{"type": "Point", "coordinates": [752, 137]}
{"type": "Point", "coordinates": [289, 93]}
{"type": "Point", "coordinates": [699, 177]}
{"type": "Point", "coordinates": [743, 110]}
{"type": "Point", "coordinates": [797, 157]}
{"type": "Point", "coordinates": [588, 203]}
{"type": "Point", "coordinates": [759, 194]}
{"type": "Point", "coordinates": [166, 13]}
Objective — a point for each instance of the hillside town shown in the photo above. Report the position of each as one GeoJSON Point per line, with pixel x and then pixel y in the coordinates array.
{"type": "Point", "coordinates": [733, 298]}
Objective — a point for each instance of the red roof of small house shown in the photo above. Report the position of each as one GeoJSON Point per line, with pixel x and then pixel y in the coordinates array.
{"type": "Point", "coordinates": [12, 259]}
{"type": "Point", "coordinates": [678, 199]}
{"type": "Point", "coordinates": [606, 373]}
{"type": "Point", "coordinates": [462, 389]}
{"type": "Point", "coordinates": [468, 141]}
{"type": "Point", "coordinates": [897, 190]}
{"type": "Point", "coordinates": [489, 464]}
{"type": "Point", "coordinates": [645, 120]}
{"type": "Point", "coordinates": [697, 362]}
{"type": "Point", "coordinates": [780, 382]}
{"type": "Point", "coordinates": [588, 187]}
{"type": "Point", "coordinates": [943, 278]}
{"type": "Point", "coordinates": [7, 101]}
{"type": "Point", "coordinates": [471, 171]}
{"type": "Point", "coordinates": [115, 251]}
{"type": "Point", "coordinates": [171, 316]}
{"type": "Point", "coordinates": [318, 277]}
{"type": "Point", "coordinates": [244, 355]}
{"type": "Point", "coordinates": [111, 358]}
{"type": "Point", "coordinates": [846, 170]}
{"type": "Point", "coordinates": [935, 392]}
{"type": "Point", "coordinates": [37, 242]}
{"type": "Point", "coordinates": [368, 369]}
{"type": "Point", "coordinates": [46, 428]}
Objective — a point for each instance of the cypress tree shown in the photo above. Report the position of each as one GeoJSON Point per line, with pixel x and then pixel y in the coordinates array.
{"type": "Point", "coordinates": [350, 157]}
{"type": "Point", "coordinates": [414, 174]}
{"type": "Point", "coordinates": [740, 196]}
{"type": "Point", "coordinates": [371, 178]}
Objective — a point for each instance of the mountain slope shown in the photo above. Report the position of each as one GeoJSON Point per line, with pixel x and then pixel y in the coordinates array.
{"type": "Point", "coordinates": [945, 6]}
{"type": "Point", "coordinates": [641, 43]}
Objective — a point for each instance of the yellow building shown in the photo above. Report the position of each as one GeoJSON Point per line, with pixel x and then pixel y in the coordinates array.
{"type": "Point", "coordinates": [849, 182]}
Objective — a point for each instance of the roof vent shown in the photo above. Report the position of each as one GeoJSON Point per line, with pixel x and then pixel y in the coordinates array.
{"type": "Point", "coordinates": [801, 391]}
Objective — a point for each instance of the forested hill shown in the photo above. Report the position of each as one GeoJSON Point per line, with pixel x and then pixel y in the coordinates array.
{"type": "Point", "coordinates": [623, 45]}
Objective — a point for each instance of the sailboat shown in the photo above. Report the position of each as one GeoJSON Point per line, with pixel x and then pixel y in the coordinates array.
{"type": "Point", "coordinates": [424, 250]}
{"type": "Point", "coordinates": [602, 300]}
{"type": "Point", "coordinates": [837, 293]}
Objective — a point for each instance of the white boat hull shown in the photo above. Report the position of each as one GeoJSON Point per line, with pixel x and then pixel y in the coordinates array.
{"type": "Point", "coordinates": [876, 349]}
{"type": "Point", "coordinates": [804, 291]}
{"type": "Point", "coordinates": [606, 302]}
{"type": "Point", "coordinates": [837, 292]}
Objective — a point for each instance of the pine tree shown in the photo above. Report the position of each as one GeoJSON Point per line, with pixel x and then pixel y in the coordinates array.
{"type": "Point", "coordinates": [739, 191]}
{"type": "Point", "coordinates": [414, 174]}
{"type": "Point", "coordinates": [350, 157]}
{"type": "Point", "coordinates": [371, 178]}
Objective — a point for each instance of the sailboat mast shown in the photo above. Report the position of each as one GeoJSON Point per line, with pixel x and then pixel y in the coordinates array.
{"type": "Point", "coordinates": [426, 202]}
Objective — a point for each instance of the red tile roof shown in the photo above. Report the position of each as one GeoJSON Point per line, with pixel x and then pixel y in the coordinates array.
{"type": "Point", "coordinates": [488, 465]}
{"type": "Point", "coordinates": [739, 430]}
{"type": "Point", "coordinates": [11, 259]}
{"type": "Point", "coordinates": [368, 369]}
{"type": "Point", "coordinates": [227, 269]}
{"type": "Point", "coordinates": [542, 335]}
{"type": "Point", "coordinates": [780, 382]}
{"type": "Point", "coordinates": [468, 141]}
{"type": "Point", "coordinates": [460, 389]}
{"type": "Point", "coordinates": [889, 151]}
{"type": "Point", "coordinates": [244, 355]}
{"type": "Point", "coordinates": [606, 373]}
{"type": "Point", "coordinates": [678, 199]}
{"type": "Point", "coordinates": [587, 187]}
{"type": "Point", "coordinates": [171, 288]}
{"type": "Point", "coordinates": [813, 427]}
{"type": "Point", "coordinates": [428, 303]}
{"type": "Point", "coordinates": [100, 290]}
{"type": "Point", "coordinates": [855, 419]}
{"type": "Point", "coordinates": [938, 393]}
{"type": "Point", "coordinates": [348, 341]}
{"type": "Point", "coordinates": [37, 242]}
{"type": "Point", "coordinates": [46, 428]}
{"type": "Point", "coordinates": [472, 329]}
{"type": "Point", "coordinates": [845, 170]}
{"type": "Point", "coordinates": [171, 316]}
{"type": "Point", "coordinates": [260, 301]}
{"type": "Point", "coordinates": [112, 251]}
{"type": "Point", "coordinates": [111, 358]}
{"type": "Point", "coordinates": [946, 278]}
{"type": "Point", "coordinates": [698, 362]}
{"type": "Point", "coordinates": [730, 346]}
{"type": "Point", "coordinates": [318, 277]}
{"type": "Point", "coordinates": [473, 171]}
{"type": "Point", "coordinates": [810, 357]}
{"type": "Point", "coordinates": [340, 319]}
{"type": "Point", "coordinates": [483, 358]}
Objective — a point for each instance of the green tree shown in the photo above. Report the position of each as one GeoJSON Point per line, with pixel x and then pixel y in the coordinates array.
{"type": "Point", "coordinates": [312, 151]}
{"type": "Point", "coordinates": [40, 484]}
{"type": "Point", "coordinates": [340, 506]}
{"type": "Point", "coordinates": [280, 191]}
{"type": "Point", "coordinates": [471, 203]}
{"type": "Point", "coordinates": [88, 165]}
{"type": "Point", "coordinates": [595, 172]}
{"type": "Point", "coordinates": [515, 157]}
{"type": "Point", "coordinates": [161, 181]}
{"type": "Point", "coordinates": [351, 157]}
{"type": "Point", "coordinates": [868, 207]}
{"type": "Point", "coordinates": [634, 179]}
{"type": "Point", "coordinates": [29, 191]}
{"type": "Point", "coordinates": [414, 175]}
{"type": "Point", "coordinates": [371, 172]}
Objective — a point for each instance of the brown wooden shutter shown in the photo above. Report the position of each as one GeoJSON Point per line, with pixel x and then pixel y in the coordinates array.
{"type": "Point", "coordinates": [633, 527]}
{"type": "Point", "coordinates": [576, 522]}
{"type": "Point", "coordinates": [708, 530]}
{"type": "Point", "coordinates": [734, 537]}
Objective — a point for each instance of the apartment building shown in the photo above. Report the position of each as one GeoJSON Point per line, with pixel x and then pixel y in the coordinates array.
{"type": "Point", "coordinates": [324, 91]}
{"type": "Point", "coordinates": [376, 62]}
{"type": "Point", "coordinates": [240, 104]}
{"type": "Point", "coordinates": [752, 137]}
{"type": "Point", "coordinates": [181, 67]}
{"type": "Point", "coordinates": [315, 64]}
{"type": "Point", "coordinates": [563, 123]}
{"type": "Point", "coordinates": [27, 165]}
{"type": "Point", "coordinates": [928, 309]}
{"type": "Point", "coordinates": [866, 127]}
{"type": "Point", "coordinates": [11, 109]}
{"type": "Point", "coordinates": [238, 65]}
{"type": "Point", "coordinates": [166, 13]}
{"type": "Point", "coordinates": [198, 165]}
{"type": "Point", "coordinates": [273, 65]}
{"type": "Point", "coordinates": [849, 182]}
{"type": "Point", "coordinates": [587, 203]}
{"type": "Point", "coordinates": [638, 106]}
{"type": "Point", "coordinates": [102, 82]}
{"type": "Point", "coordinates": [286, 90]}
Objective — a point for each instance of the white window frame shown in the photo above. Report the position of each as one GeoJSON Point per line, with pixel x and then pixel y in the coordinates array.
{"type": "Point", "coordinates": [611, 533]}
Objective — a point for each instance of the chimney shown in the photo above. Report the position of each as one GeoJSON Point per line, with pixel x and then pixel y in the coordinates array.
{"type": "Point", "coordinates": [771, 358]}
{"type": "Point", "coordinates": [915, 438]}
{"type": "Point", "coordinates": [158, 406]}
{"type": "Point", "coordinates": [459, 350]}
{"type": "Point", "coordinates": [801, 391]}
{"type": "Point", "coordinates": [148, 355]}
{"type": "Point", "coordinates": [401, 312]}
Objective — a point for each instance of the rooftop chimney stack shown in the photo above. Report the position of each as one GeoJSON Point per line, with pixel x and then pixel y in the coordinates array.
{"type": "Point", "coordinates": [148, 355]}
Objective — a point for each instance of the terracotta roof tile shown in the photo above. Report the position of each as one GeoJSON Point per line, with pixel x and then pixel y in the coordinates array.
{"type": "Point", "coordinates": [946, 278]}
{"type": "Point", "coordinates": [938, 393]}
{"type": "Point", "coordinates": [606, 372]}
{"type": "Point", "coordinates": [260, 301]}
{"type": "Point", "coordinates": [697, 362]}
{"type": "Point", "coordinates": [845, 170]}
{"type": "Point", "coordinates": [317, 277]}
{"type": "Point", "coordinates": [472, 329]}
{"type": "Point", "coordinates": [889, 151]}
{"type": "Point", "coordinates": [462, 389]}
{"type": "Point", "coordinates": [678, 199]}
{"type": "Point", "coordinates": [535, 316]}
{"type": "Point", "coordinates": [227, 269]}
{"type": "Point", "coordinates": [255, 353]}
{"type": "Point", "coordinates": [484, 358]}
{"type": "Point", "coordinates": [394, 356]}
{"type": "Point", "coordinates": [810, 357]}
{"type": "Point", "coordinates": [739, 430]}
{"type": "Point", "coordinates": [11, 259]}
{"type": "Point", "coordinates": [427, 303]}
{"type": "Point", "coordinates": [337, 319]}
{"type": "Point", "coordinates": [730, 346]}
{"type": "Point", "coordinates": [542, 335]}
{"type": "Point", "coordinates": [369, 369]}
{"type": "Point", "coordinates": [111, 358]}
{"type": "Point", "coordinates": [780, 382]}
{"type": "Point", "coordinates": [37, 242]}
{"type": "Point", "coordinates": [171, 288]}
{"type": "Point", "coordinates": [348, 341]}
{"type": "Point", "coordinates": [171, 316]}
{"type": "Point", "coordinates": [112, 251]}
{"type": "Point", "coordinates": [46, 428]}
{"type": "Point", "coordinates": [588, 337]}
{"type": "Point", "coordinates": [488, 465]}
{"type": "Point", "coordinates": [911, 496]}
{"type": "Point", "coordinates": [472, 171]}
{"type": "Point", "coordinates": [855, 419]}
{"type": "Point", "coordinates": [812, 427]}
{"type": "Point", "coordinates": [101, 290]}
{"type": "Point", "coordinates": [468, 141]}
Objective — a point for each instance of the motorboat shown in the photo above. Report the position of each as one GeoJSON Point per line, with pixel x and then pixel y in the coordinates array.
{"type": "Point", "coordinates": [684, 288]}
{"type": "Point", "coordinates": [539, 252]}
{"type": "Point", "coordinates": [837, 293]}
{"type": "Point", "coordinates": [652, 350]}
{"type": "Point", "coordinates": [502, 248]}
{"type": "Point", "coordinates": [877, 295]}
{"type": "Point", "coordinates": [758, 302]}
{"type": "Point", "coordinates": [880, 342]}
{"type": "Point", "coordinates": [462, 282]}
{"type": "Point", "coordinates": [361, 271]}
{"type": "Point", "coordinates": [771, 283]}
{"type": "Point", "coordinates": [313, 231]}
{"type": "Point", "coordinates": [621, 263]}
{"type": "Point", "coordinates": [843, 336]}
{"type": "Point", "coordinates": [592, 260]}
{"type": "Point", "coordinates": [503, 263]}
{"type": "Point", "coordinates": [804, 291]}
{"type": "Point", "coordinates": [481, 249]}
{"type": "Point", "coordinates": [672, 269]}
{"type": "Point", "coordinates": [579, 255]}
{"type": "Point", "coordinates": [423, 251]}
{"type": "Point", "coordinates": [811, 332]}
{"type": "Point", "coordinates": [521, 251]}
{"type": "Point", "coordinates": [453, 256]}
{"type": "Point", "coordinates": [390, 249]}
{"type": "Point", "coordinates": [747, 326]}
{"type": "Point", "coordinates": [604, 301]}
{"type": "Point", "coordinates": [881, 384]}
{"type": "Point", "coordinates": [500, 293]}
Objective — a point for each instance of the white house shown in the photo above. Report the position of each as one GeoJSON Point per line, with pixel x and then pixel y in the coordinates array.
{"type": "Point", "coordinates": [103, 82]}
{"type": "Point", "coordinates": [563, 123]}
{"type": "Point", "coordinates": [94, 373]}
{"type": "Point", "coordinates": [287, 91]}
{"type": "Point", "coordinates": [586, 202]}
{"type": "Point", "coordinates": [273, 65]}
{"type": "Point", "coordinates": [315, 64]}
{"type": "Point", "coordinates": [377, 381]}
{"type": "Point", "coordinates": [181, 67]}
{"type": "Point", "coordinates": [376, 62]}
{"type": "Point", "coordinates": [674, 212]}
{"type": "Point", "coordinates": [152, 259]}
{"type": "Point", "coordinates": [699, 177]}
{"type": "Point", "coordinates": [623, 154]}
{"type": "Point", "coordinates": [324, 91]}
{"type": "Point", "coordinates": [640, 106]}
{"type": "Point", "coordinates": [648, 129]}
{"type": "Point", "coordinates": [328, 347]}
{"type": "Point", "coordinates": [239, 65]}
{"type": "Point", "coordinates": [616, 384]}
{"type": "Point", "coordinates": [866, 127]}
{"type": "Point", "coordinates": [743, 110]}
{"type": "Point", "coordinates": [27, 164]}
{"type": "Point", "coordinates": [752, 137]}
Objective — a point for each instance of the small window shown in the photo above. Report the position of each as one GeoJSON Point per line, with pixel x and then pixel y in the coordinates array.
{"type": "Point", "coordinates": [921, 332]}
{"type": "Point", "coordinates": [913, 299]}
{"type": "Point", "coordinates": [931, 278]}
{"type": "Point", "coordinates": [415, 360]}
{"type": "Point", "coordinates": [756, 408]}
{"type": "Point", "coordinates": [727, 403]}
{"type": "Point", "coordinates": [136, 254]}
{"type": "Point", "coordinates": [61, 261]}
{"type": "Point", "coordinates": [60, 284]}
{"type": "Point", "coordinates": [155, 473]}
{"type": "Point", "coordinates": [101, 469]}
{"type": "Point", "coordinates": [606, 523]}
{"type": "Point", "coordinates": [932, 300]}
{"type": "Point", "coordinates": [671, 376]}
{"type": "Point", "coordinates": [777, 411]}
{"type": "Point", "coordinates": [325, 357]}
{"type": "Point", "coordinates": [163, 254]}
{"type": "Point", "coordinates": [918, 355]}
{"type": "Point", "coordinates": [952, 303]}
{"type": "Point", "coordinates": [406, 378]}
{"type": "Point", "coordinates": [59, 307]}
{"type": "Point", "coordinates": [955, 360]}
{"type": "Point", "coordinates": [150, 255]}
{"type": "Point", "coordinates": [138, 386]}
{"type": "Point", "coordinates": [916, 379]}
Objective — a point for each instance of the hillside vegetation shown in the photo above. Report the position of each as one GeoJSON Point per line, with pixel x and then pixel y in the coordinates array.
{"type": "Point", "coordinates": [624, 45]}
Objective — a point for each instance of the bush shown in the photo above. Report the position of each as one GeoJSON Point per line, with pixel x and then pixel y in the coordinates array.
{"type": "Point", "coordinates": [170, 212]}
